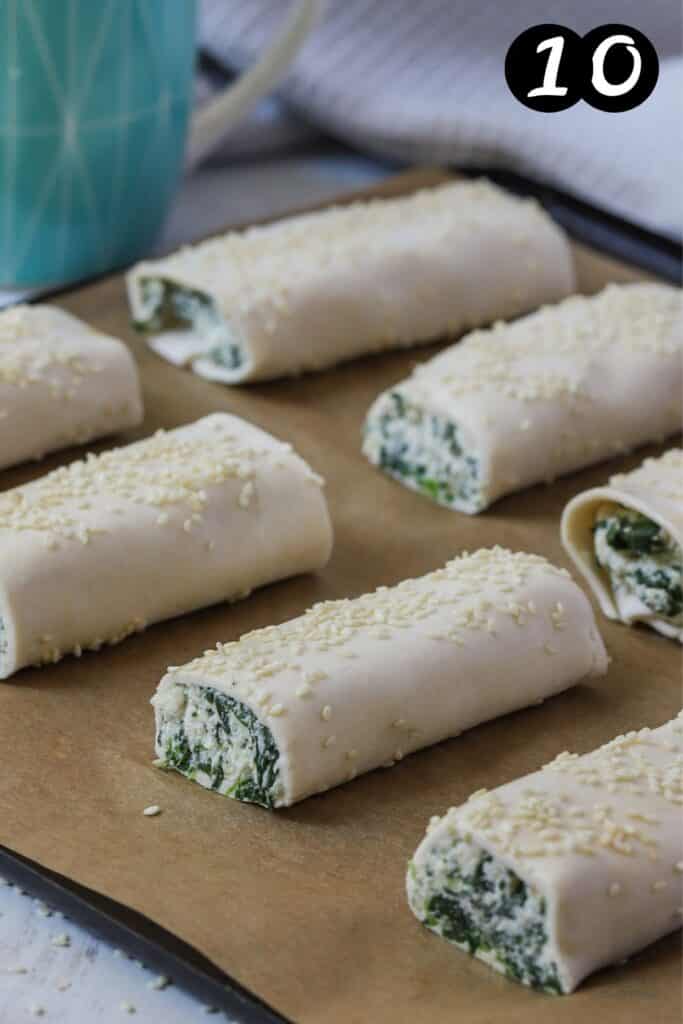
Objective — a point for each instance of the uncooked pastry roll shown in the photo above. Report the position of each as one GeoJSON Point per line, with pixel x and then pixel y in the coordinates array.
{"type": "Point", "coordinates": [528, 401]}
{"type": "Point", "coordinates": [564, 871]}
{"type": "Point", "coordinates": [626, 539]}
{"type": "Point", "coordinates": [105, 546]}
{"type": "Point", "coordinates": [61, 383]}
{"type": "Point", "coordinates": [315, 290]}
{"type": "Point", "coordinates": [351, 685]}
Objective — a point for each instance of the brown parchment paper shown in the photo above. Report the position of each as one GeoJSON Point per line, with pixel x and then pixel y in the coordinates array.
{"type": "Point", "coordinates": [306, 907]}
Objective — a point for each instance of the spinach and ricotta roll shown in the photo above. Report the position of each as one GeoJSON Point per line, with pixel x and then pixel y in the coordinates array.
{"type": "Point", "coordinates": [315, 290]}
{"type": "Point", "coordinates": [98, 549]}
{"type": "Point", "coordinates": [528, 401]}
{"type": "Point", "coordinates": [626, 539]}
{"type": "Point", "coordinates": [61, 383]}
{"type": "Point", "coordinates": [564, 871]}
{"type": "Point", "coordinates": [352, 685]}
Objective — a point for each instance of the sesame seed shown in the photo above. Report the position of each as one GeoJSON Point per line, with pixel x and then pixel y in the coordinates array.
{"type": "Point", "coordinates": [246, 494]}
{"type": "Point", "coordinates": [152, 811]}
{"type": "Point", "coordinates": [159, 983]}
{"type": "Point", "coordinates": [315, 677]}
{"type": "Point", "coordinates": [326, 713]}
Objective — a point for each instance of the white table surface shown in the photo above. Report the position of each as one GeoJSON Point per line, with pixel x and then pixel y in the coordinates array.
{"type": "Point", "coordinates": [87, 981]}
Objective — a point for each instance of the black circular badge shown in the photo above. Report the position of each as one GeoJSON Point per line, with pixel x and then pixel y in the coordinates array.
{"type": "Point", "coordinates": [545, 68]}
{"type": "Point", "coordinates": [622, 68]}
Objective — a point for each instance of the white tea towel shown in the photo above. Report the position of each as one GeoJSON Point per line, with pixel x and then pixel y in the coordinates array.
{"type": "Point", "coordinates": [423, 81]}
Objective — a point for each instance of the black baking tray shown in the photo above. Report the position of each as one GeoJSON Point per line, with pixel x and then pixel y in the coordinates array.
{"type": "Point", "coordinates": [135, 933]}
{"type": "Point", "coordinates": [140, 938]}
{"type": "Point", "coordinates": [597, 228]}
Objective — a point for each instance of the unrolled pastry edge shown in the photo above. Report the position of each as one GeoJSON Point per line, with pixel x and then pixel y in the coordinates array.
{"type": "Point", "coordinates": [576, 533]}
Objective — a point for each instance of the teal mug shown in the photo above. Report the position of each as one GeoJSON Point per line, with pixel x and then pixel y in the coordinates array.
{"type": "Point", "coordinates": [95, 111]}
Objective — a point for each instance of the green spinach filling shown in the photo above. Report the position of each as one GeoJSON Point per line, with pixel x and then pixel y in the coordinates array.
{"type": "Point", "coordinates": [220, 743]}
{"type": "Point", "coordinates": [641, 560]}
{"type": "Point", "coordinates": [170, 307]}
{"type": "Point", "coordinates": [463, 894]}
{"type": "Point", "coordinates": [425, 452]}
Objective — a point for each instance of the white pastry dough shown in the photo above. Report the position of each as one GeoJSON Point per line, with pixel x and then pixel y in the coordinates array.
{"type": "Point", "coordinates": [639, 579]}
{"type": "Point", "coordinates": [315, 290]}
{"type": "Point", "coordinates": [61, 383]}
{"type": "Point", "coordinates": [564, 871]}
{"type": "Point", "coordinates": [529, 401]}
{"type": "Point", "coordinates": [295, 709]}
{"type": "Point", "coordinates": [105, 546]}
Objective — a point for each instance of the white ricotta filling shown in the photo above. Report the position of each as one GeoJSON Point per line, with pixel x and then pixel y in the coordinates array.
{"type": "Point", "coordinates": [218, 742]}
{"type": "Point", "coordinates": [627, 574]}
{"type": "Point", "coordinates": [209, 342]}
{"type": "Point", "coordinates": [466, 896]}
{"type": "Point", "coordinates": [424, 451]}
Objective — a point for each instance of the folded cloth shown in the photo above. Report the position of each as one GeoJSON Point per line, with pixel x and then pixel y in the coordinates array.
{"type": "Point", "coordinates": [424, 82]}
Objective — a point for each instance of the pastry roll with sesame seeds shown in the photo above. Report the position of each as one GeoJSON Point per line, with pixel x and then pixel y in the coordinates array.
{"type": "Point", "coordinates": [626, 539]}
{"type": "Point", "coordinates": [61, 383]}
{"type": "Point", "coordinates": [528, 401]}
{"type": "Point", "coordinates": [564, 871]}
{"type": "Point", "coordinates": [353, 685]}
{"type": "Point", "coordinates": [103, 547]}
{"type": "Point", "coordinates": [315, 290]}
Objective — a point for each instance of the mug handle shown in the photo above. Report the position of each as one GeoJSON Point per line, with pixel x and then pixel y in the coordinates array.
{"type": "Point", "coordinates": [209, 126]}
